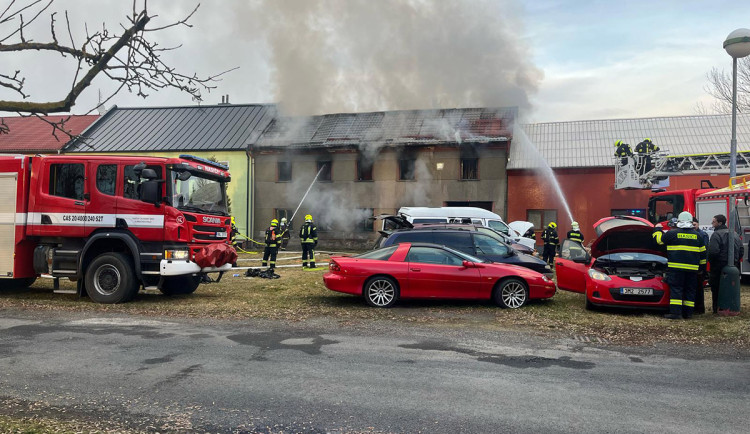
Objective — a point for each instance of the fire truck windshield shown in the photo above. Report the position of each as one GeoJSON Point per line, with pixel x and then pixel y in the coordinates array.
{"type": "Point", "coordinates": [192, 192]}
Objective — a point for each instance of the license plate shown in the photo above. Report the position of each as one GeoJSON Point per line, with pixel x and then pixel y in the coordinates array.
{"type": "Point", "coordinates": [221, 235]}
{"type": "Point", "coordinates": [637, 291]}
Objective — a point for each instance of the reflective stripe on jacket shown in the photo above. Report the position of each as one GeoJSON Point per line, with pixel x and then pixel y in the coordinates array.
{"type": "Point", "coordinates": [686, 250]}
{"type": "Point", "coordinates": [575, 236]}
{"type": "Point", "coordinates": [308, 233]}
{"type": "Point", "coordinates": [271, 236]}
{"type": "Point", "coordinates": [549, 236]}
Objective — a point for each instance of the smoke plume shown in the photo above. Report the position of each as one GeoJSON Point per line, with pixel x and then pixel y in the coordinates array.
{"type": "Point", "coordinates": [332, 56]}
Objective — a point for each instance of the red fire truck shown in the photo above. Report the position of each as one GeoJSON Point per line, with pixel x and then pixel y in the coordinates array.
{"type": "Point", "coordinates": [113, 224]}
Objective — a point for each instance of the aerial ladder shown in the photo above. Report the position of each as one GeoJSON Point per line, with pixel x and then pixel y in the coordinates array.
{"type": "Point", "coordinates": [649, 171]}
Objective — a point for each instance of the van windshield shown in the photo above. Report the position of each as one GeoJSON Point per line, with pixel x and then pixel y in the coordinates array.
{"type": "Point", "coordinates": [498, 226]}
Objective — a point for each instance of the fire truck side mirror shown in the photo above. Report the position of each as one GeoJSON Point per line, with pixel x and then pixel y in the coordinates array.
{"type": "Point", "coordinates": [149, 174]}
{"type": "Point", "coordinates": [150, 191]}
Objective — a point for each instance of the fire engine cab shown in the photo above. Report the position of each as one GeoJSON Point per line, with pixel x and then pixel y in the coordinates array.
{"type": "Point", "coordinates": [113, 224]}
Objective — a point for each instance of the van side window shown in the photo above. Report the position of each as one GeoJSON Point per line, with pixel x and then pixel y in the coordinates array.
{"type": "Point", "coordinates": [67, 180]}
{"type": "Point", "coordinates": [456, 240]}
{"type": "Point", "coordinates": [106, 178]}
{"type": "Point", "coordinates": [413, 237]}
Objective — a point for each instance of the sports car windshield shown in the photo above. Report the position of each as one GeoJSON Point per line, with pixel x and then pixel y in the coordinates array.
{"type": "Point", "coordinates": [631, 256]}
{"type": "Point", "coordinates": [198, 194]}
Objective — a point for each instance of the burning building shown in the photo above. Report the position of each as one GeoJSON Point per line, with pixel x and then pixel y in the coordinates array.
{"type": "Point", "coordinates": [374, 163]}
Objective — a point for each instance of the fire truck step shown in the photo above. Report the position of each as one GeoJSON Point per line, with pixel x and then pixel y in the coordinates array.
{"type": "Point", "coordinates": [65, 291]}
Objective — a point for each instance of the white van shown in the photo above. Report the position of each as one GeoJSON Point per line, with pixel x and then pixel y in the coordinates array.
{"type": "Point", "coordinates": [464, 214]}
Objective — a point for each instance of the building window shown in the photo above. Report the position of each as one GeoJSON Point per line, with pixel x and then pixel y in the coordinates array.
{"type": "Point", "coordinates": [67, 180]}
{"type": "Point", "coordinates": [280, 213]}
{"type": "Point", "coordinates": [106, 178]}
{"type": "Point", "coordinates": [367, 223]}
{"type": "Point", "coordinates": [406, 166]}
{"type": "Point", "coordinates": [540, 218]}
{"type": "Point", "coordinates": [364, 169]}
{"type": "Point", "coordinates": [324, 167]}
{"type": "Point", "coordinates": [637, 212]}
{"type": "Point", "coordinates": [469, 168]}
{"type": "Point", "coordinates": [284, 171]}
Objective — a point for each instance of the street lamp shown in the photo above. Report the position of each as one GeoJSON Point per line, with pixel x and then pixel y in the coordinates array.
{"type": "Point", "coordinates": [737, 45]}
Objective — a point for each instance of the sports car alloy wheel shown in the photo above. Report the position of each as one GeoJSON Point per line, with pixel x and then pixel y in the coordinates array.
{"type": "Point", "coordinates": [381, 292]}
{"type": "Point", "coordinates": [513, 294]}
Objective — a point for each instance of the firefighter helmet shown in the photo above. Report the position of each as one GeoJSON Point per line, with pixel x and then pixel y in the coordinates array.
{"type": "Point", "coordinates": [685, 217]}
{"type": "Point", "coordinates": [553, 225]}
{"type": "Point", "coordinates": [308, 218]}
{"type": "Point", "coordinates": [575, 226]}
{"type": "Point", "coordinates": [618, 143]}
{"type": "Point", "coordinates": [274, 222]}
{"type": "Point", "coordinates": [283, 220]}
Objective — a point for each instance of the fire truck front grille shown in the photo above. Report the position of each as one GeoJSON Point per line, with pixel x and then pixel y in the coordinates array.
{"type": "Point", "coordinates": [207, 237]}
{"type": "Point", "coordinates": [209, 228]}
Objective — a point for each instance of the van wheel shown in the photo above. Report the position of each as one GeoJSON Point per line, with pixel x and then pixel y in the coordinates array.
{"type": "Point", "coordinates": [14, 284]}
{"type": "Point", "coordinates": [110, 279]}
{"type": "Point", "coordinates": [511, 293]}
{"type": "Point", "coordinates": [180, 285]}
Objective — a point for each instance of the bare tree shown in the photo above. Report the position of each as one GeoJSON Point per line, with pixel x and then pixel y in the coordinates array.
{"type": "Point", "coordinates": [720, 87]}
{"type": "Point", "coordinates": [128, 56]}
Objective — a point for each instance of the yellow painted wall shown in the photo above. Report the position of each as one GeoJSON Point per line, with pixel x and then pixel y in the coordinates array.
{"type": "Point", "coordinates": [236, 190]}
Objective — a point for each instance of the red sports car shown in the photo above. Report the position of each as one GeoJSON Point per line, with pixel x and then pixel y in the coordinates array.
{"type": "Point", "coordinates": [420, 270]}
{"type": "Point", "coordinates": [625, 268]}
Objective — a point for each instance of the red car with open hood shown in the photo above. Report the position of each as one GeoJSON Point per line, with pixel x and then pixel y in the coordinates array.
{"type": "Point", "coordinates": [625, 267]}
{"type": "Point", "coordinates": [420, 270]}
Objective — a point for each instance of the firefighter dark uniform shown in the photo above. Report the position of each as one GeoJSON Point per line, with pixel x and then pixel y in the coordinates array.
{"type": "Point", "coordinates": [308, 236]}
{"type": "Point", "coordinates": [623, 151]}
{"type": "Point", "coordinates": [551, 241]}
{"type": "Point", "coordinates": [646, 148]}
{"type": "Point", "coordinates": [686, 257]}
{"type": "Point", "coordinates": [284, 229]}
{"type": "Point", "coordinates": [272, 245]}
{"type": "Point", "coordinates": [575, 234]}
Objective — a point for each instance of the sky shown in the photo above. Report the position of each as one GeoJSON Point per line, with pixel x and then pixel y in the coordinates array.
{"type": "Point", "coordinates": [555, 60]}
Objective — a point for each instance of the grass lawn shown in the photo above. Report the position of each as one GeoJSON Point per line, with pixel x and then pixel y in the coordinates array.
{"type": "Point", "coordinates": [300, 295]}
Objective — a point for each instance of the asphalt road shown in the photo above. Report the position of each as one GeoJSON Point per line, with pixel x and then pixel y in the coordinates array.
{"type": "Point", "coordinates": [317, 376]}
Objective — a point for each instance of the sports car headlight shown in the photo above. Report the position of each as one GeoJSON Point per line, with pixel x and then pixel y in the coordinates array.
{"type": "Point", "coordinates": [545, 278]}
{"type": "Point", "coordinates": [177, 255]}
{"type": "Point", "coordinates": [598, 275]}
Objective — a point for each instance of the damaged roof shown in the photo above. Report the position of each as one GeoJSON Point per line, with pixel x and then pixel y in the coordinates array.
{"type": "Point", "coordinates": [475, 125]}
{"type": "Point", "coordinates": [31, 135]}
{"type": "Point", "coordinates": [591, 143]}
{"type": "Point", "coordinates": [177, 129]}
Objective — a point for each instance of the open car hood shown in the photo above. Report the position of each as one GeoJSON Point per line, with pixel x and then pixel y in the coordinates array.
{"type": "Point", "coordinates": [624, 235]}
{"type": "Point", "coordinates": [520, 226]}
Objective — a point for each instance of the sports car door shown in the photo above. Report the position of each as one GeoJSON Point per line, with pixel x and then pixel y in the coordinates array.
{"type": "Point", "coordinates": [434, 272]}
{"type": "Point", "coordinates": [571, 275]}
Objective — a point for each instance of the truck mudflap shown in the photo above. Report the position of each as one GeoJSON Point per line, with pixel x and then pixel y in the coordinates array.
{"type": "Point", "coordinates": [179, 268]}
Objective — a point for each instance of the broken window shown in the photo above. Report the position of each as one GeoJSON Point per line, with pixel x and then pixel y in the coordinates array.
{"type": "Point", "coordinates": [284, 171]}
{"type": "Point", "coordinates": [324, 167]}
{"type": "Point", "coordinates": [406, 168]}
{"type": "Point", "coordinates": [469, 168]}
{"type": "Point", "coordinates": [367, 223]}
{"type": "Point", "coordinates": [364, 169]}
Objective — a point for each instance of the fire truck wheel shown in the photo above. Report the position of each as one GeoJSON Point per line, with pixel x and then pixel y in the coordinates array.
{"type": "Point", "coordinates": [180, 285]}
{"type": "Point", "coordinates": [14, 284]}
{"type": "Point", "coordinates": [110, 279]}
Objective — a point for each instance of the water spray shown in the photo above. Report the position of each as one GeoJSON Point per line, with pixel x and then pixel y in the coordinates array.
{"type": "Point", "coordinates": [308, 191]}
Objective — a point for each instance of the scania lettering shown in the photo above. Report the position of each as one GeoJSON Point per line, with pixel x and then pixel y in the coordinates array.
{"type": "Point", "coordinates": [113, 224]}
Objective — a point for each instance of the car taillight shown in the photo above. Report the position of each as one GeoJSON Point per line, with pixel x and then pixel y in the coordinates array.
{"type": "Point", "coordinates": [333, 266]}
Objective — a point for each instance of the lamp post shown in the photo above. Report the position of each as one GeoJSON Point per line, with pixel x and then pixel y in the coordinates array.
{"type": "Point", "coordinates": [737, 45]}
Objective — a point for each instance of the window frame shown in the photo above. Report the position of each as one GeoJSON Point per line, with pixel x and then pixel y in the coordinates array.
{"type": "Point", "coordinates": [542, 214]}
{"type": "Point", "coordinates": [462, 171]}
{"type": "Point", "coordinates": [96, 178]}
{"type": "Point", "coordinates": [279, 171]}
{"type": "Point", "coordinates": [319, 164]}
{"type": "Point", "coordinates": [359, 170]}
{"type": "Point", "coordinates": [51, 181]}
{"type": "Point", "coordinates": [435, 249]}
{"type": "Point", "coordinates": [401, 173]}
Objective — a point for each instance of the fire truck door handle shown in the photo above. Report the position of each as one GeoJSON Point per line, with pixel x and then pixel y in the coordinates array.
{"type": "Point", "coordinates": [79, 203]}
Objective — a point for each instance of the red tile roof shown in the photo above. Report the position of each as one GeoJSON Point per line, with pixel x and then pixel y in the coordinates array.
{"type": "Point", "coordinates": [29, 135]}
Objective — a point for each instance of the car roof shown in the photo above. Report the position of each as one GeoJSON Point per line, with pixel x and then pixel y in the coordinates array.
{"type": "Point", "coordinates": [448, 211]}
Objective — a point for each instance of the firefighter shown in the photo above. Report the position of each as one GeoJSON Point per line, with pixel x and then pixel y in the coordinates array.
{"type": "Point", "coordinates": [645, 149]}
{"type": "Point", "coordinates": [272, 245]}
{"type": "Point", "coordinates": [575, 233]}
{"type": "Point", "coordinates": [285, 230]}
{"type": "Point", "coordinates": [308, 236]}
{"type": "Point", "coordinates": [551, 241]}
{"type": "Point", "coordinates": [686, 257]}
{"type": "Point", "coordinates": [623, 152]}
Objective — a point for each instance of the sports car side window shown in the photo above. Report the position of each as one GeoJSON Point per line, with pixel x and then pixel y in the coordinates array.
{"type": "Point", "coordinates": [572, 250]}
{"type": "Point", "coordinates": [431, 255]}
